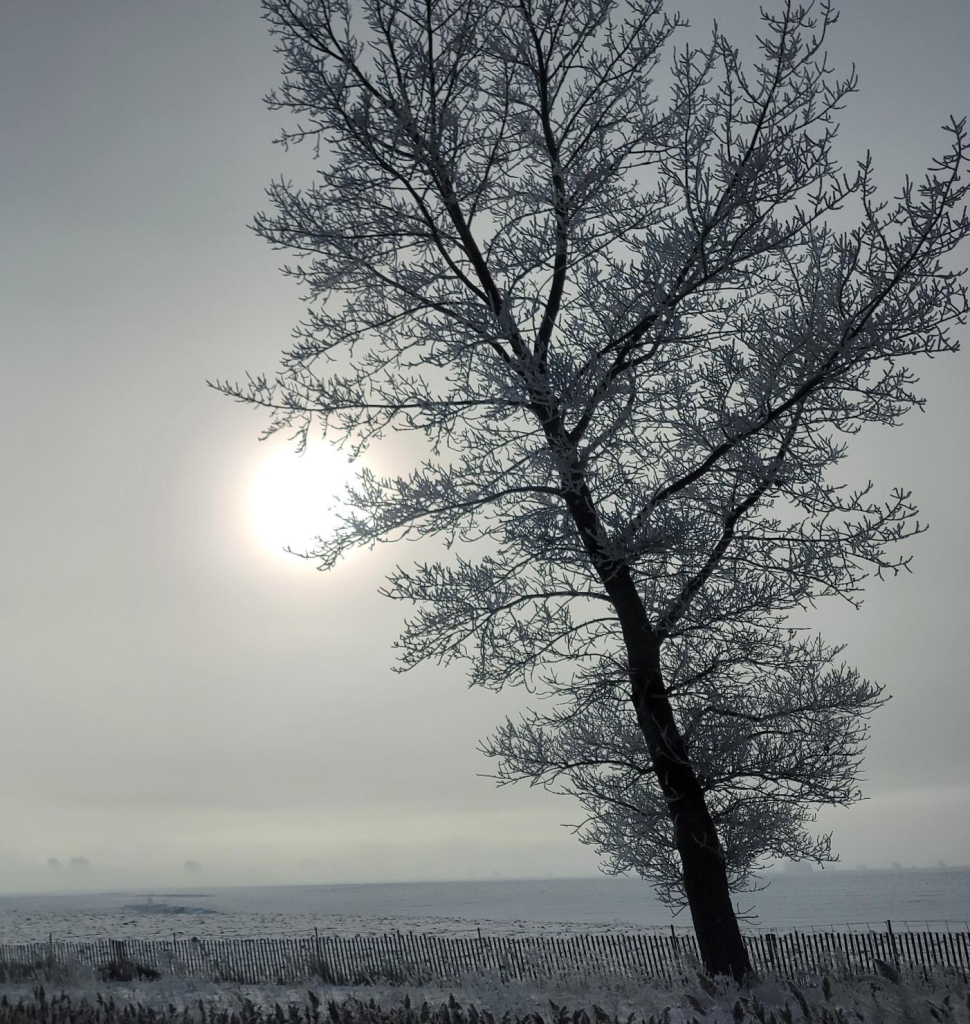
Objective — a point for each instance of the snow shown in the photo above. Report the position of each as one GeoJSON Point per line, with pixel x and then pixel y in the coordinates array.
{"type": "Point", "coordinates": [830, 899]}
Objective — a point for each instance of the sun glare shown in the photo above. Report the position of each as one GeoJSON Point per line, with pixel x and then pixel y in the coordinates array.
{"type": "Point", "coordinates": [292, 498]}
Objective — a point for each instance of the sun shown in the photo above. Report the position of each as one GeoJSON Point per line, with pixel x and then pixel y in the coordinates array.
{"type": "Point", "coordinates": [292, 499]}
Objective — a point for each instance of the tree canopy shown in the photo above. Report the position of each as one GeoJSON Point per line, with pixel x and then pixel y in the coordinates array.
{"type": "Point", "coordinates": [636, 309]}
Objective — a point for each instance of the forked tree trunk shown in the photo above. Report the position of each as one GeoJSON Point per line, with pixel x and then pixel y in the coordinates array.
{"type": "Point", "coordinates": [702, 858]}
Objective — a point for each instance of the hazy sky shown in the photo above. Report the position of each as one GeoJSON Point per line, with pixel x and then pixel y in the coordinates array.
{"type": "Point", "coordinates": [174, 690]}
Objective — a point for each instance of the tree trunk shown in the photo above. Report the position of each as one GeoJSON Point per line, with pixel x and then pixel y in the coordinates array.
{"type": "Point", "coordinates": [695, 835]}
{"type": "Point", "coordinates": [702, 857]}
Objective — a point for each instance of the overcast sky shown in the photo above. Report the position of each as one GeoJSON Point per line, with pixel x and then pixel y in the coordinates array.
{"type": "Point", "coordinates": [174, 690]}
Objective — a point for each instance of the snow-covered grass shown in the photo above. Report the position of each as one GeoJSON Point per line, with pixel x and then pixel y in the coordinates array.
{"type": "Point", "coordinates": [481, 999]}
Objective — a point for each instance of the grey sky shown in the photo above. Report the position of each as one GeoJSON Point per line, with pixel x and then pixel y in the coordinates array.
{"type": "Point", "coordinates": [171, 691]}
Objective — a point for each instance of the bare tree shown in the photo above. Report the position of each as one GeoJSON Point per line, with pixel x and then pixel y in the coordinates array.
{"type": "Point", "coordinates": [635, 348]}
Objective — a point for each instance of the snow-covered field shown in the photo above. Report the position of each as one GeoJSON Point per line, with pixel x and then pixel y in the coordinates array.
{"type": "Point", "coordinates": [830, 899]}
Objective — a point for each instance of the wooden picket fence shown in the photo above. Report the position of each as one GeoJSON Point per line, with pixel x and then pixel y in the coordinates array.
{"type": "Point", "coordinates": [418, 958]}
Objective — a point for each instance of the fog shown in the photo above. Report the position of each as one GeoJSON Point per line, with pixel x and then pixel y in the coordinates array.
{"type": "Point", "coordinates": [172, 690]}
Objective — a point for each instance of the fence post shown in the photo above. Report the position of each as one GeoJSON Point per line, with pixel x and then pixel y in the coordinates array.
{"type": "Point", "coordinates": [892, 942]}
{"type": "Point", "coordinates": [675, 949]}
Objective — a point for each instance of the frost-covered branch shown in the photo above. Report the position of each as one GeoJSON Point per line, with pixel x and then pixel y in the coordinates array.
{"type": "Point", "coordinates": [635, 349]}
